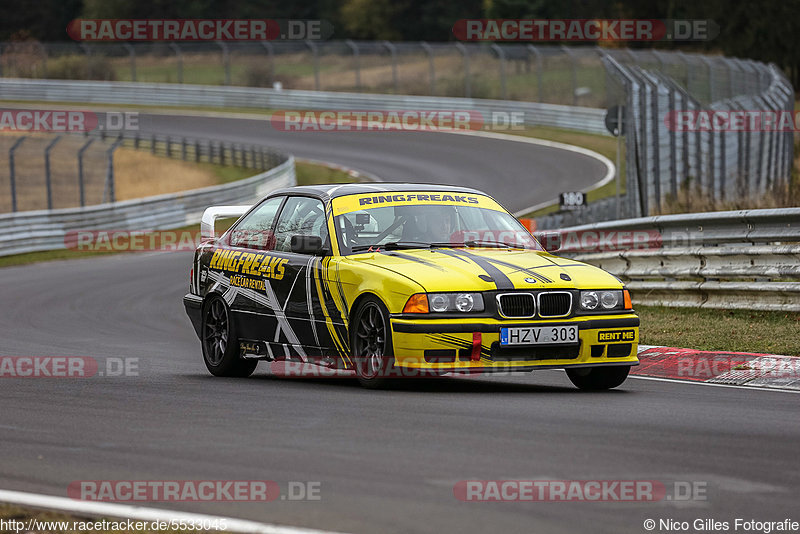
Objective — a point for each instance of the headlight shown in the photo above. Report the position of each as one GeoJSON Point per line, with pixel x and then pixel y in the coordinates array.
{"type": "Point", "coordinates": [452, 302]}
{"type": "Point", "coordinates": [609, 299]}
{"type": "Point", "coordinates": [439, 303]}
{"type": "Point", "coordinates": [589, 300]}
{"type": "Point", "coordinates": [465, 302]}
{"type": "Point", "coordinates": [602, 300]}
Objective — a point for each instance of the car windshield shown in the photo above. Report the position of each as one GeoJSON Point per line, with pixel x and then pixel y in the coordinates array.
{"type": "Point", "coordinates": [424, 220]}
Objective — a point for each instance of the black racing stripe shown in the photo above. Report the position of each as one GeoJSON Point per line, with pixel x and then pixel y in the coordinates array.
{"type": "Point", "coordinates": [501, 281]}
{"type": "Point", "coordinates": [527, 270]}
{"type": "Point", "coordinates": [340, 290]}
{"type": "Point", "coordinates": [415, 259]}
{"type": "Point", "coordinates": [331, 308]}
{"type": "Point", "coordinates": [462, 343]}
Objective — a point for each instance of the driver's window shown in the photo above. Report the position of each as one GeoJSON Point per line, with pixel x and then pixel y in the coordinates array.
{"type": "Point", "coordinates": [255, 230]}
{"type": "Point", "coordinates": [300, 216]}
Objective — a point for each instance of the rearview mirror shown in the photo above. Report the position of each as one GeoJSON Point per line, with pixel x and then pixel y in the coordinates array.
{"type": "Point", "coordinates": [550, 241]}
{"type": "Point", "coordinates": [308, 244]}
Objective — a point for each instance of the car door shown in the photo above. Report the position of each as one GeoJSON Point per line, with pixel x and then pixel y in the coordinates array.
{"type": "Point", "coordinates": [303, 328]}
{"type": "Point", "coordinates": [242, 267]}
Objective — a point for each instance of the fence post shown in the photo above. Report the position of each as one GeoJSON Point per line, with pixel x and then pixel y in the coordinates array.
{"type": "Point", "coordinates": [357, 60]}
{"type": "Point", "coordinates": [393, 52]}
{"type": "Point", "coordinates": [81, 187]}
{"type": "Point", "coordinates": [179, 57]}
{"type": "Point", "coordinates": [431, 66]}
{"type": "Point", "coordinates": [573, 63]}
{"type": "Point", "coordinates": [47, 178]}
{"type": "Point", "coordinates": [226, 61]}
{"type": "Point", "coordinates": [502, 57]}
{"type": "Point", "coordinates": [271, 53]}
{"type": "Point", "coordinates": [711, 88]}
{"type": "Point", "coordinates": [673, 148]}
{"type": "Point", "coordinates": [110, 171]}
{"type": "Point", "coordinates": [688, 68]}
{"type": "Point", "coordinates": [759, 176]}
{"type": "Point", "coordinates": [11, 170]}
{"type": "Point", "coordinates": [644, 192]}
{"type": "Point", "coordinates": [315, 52]}
{"type": "Point", "coordinates": [467, 82]}
{"type": "Point", "coordinates": [539, 66]}
{"type": "Point", "coordinates": [620, 130]}
{"type": "Point", "coordinates": [132, 55]}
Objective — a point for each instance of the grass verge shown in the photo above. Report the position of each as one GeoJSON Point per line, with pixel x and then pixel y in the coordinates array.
{"type": "Point", "coordinates": [602, 144]}
{"type": "Point", "coordinates": [312, 173]}
{"type": "Point", "coordinates": [770, 332]}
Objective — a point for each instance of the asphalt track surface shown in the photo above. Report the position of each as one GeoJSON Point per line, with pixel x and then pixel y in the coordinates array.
{"type": "Point", "coordinates": [518, 174]}
{"type": "Point", "coordinates": [387, 460]}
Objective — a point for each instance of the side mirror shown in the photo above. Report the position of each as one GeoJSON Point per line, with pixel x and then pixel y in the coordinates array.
{"type": "Point", "coordinates": [308, 244]}
{"type": "Point", "coordinates": [550, 241]}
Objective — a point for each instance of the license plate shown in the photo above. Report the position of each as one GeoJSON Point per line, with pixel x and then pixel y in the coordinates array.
{"type": "Point", "coordinates": [539, 335]}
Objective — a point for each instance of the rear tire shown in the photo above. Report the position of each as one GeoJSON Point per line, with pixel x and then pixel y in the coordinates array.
{"type": "Point", "coordinates": [219, 341]}
{"type": "Point", "coordinates": [598, 378]}
{"type": "Point", "coordinates": [371, 343]}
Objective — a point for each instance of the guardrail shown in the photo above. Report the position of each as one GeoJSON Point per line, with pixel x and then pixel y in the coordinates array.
{"type": "Point", "coordinates": [165, 94]}
{"type": "Point", "coordinates": [47, 229]}
{"type": "Point", "coordinates": [746, 259]}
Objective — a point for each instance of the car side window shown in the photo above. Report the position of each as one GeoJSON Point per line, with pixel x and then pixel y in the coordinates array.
{"type": "Point", "coordinates": [255, 230]}
{"type": "Point", "coordinates": [300, 216]}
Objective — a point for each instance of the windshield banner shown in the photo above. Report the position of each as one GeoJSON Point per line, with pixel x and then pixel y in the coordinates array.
{"type": "Point", "coordinates": [365, 201]}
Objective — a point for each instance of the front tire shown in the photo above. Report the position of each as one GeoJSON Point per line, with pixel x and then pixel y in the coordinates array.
{"type": "Point", "coordinates": [371, 343]}
{"type": "Point", "coordinates": [220, 344]}
{"type": "Point", "coordinates": [598, 378]}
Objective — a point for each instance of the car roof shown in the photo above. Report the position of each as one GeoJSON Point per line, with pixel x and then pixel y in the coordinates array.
{"type": "Point", "coordinates": [328, 191]}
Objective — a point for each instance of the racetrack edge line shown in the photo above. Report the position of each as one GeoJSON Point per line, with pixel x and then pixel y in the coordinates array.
{"type": "Point", "coordinates": [695, 383]}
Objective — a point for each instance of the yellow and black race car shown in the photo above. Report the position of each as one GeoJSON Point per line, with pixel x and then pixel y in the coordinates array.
{"type": "Point", "coordinates": [401, 280]}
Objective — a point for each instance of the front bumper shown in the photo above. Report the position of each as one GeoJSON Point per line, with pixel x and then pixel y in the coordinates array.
{"type": "Point", "coordinates": [464, 345]}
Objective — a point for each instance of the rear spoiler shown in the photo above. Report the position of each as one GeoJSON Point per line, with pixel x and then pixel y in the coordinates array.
{"type": "Point", "coordinates": [218, 212]}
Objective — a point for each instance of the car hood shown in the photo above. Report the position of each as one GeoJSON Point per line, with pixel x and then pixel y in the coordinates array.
{"type": "Point", "coordinates": [487, 269]}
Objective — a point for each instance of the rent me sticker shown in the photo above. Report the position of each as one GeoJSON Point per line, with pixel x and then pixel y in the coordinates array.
{"type": "Point", "coordinates": [616, 335]}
